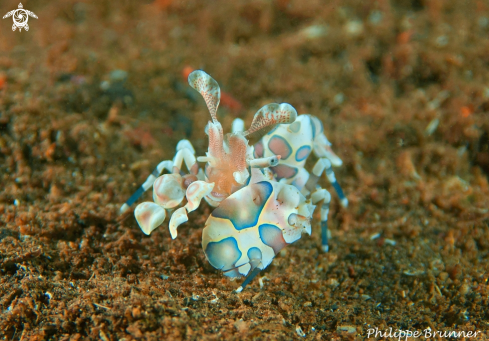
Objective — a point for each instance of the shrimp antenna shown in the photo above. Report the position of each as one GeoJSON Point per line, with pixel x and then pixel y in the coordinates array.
{"type": "Point", "coordinates": [268, 117]}
{"type": "Point", "coordinates": [208, 88]}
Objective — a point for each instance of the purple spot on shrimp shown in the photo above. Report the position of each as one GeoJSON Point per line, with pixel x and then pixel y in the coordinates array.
{"type": "Point", "coordinates": [258, 149]}
{"type": "Point", "coordinates": [302, 153]}
{"type": "Point", "coordinates": [284, 171]}
{"type": "Point", "coordinates": [272, 236]}
{"type": "Point", "coordinates": [279, 146]}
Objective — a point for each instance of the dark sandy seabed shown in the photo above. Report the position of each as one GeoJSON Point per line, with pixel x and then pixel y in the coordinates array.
{"type": "Point", "coordinates": [92, 98]}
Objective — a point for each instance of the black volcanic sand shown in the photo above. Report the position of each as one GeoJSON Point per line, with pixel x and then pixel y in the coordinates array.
{"type": "Point", "coordinates": [93, 97]}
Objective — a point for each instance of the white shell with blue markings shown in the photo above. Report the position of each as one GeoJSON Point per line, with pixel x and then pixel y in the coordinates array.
{"type": "Point", "coordinates": [252, 225]}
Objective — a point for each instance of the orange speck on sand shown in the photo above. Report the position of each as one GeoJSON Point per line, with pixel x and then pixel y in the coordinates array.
{"type": "Point", "coordinates": [454, 60]}
{"type": "Point", "coordinates": [404, 37]}
{"type": "Point", "coordinates": [3, 81]}
{"type": "Point", "coordinates": [465, 111]}
{"type": "Point", "coordinates": [162, 4]}
{"type": "Point", "coordinates": [187, 70]}
{"type": "Point", "coordinates": [230, 102]}
{"type": "Point", "coordinates": [50, 151]}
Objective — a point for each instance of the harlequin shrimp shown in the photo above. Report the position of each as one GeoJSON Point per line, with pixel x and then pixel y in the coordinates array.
{"type": "Point", "coordinates": [229, 164]}
{"type": "Point", "coordinates": [256, 216]}
{"type": "Point", "coordinates": [294, 143]}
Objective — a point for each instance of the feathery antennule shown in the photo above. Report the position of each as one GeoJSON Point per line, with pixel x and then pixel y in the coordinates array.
{"type": "Point", "coordinates": [208, 88]}
{"type": "Point", "coordinates": [270, 115]}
